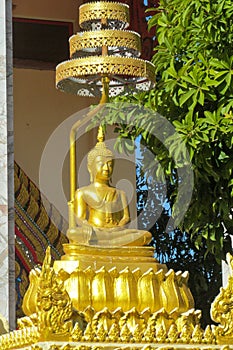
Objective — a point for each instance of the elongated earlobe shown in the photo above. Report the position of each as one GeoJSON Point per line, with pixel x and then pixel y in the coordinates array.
{"type": "Point", "coordinates": [91, 175]}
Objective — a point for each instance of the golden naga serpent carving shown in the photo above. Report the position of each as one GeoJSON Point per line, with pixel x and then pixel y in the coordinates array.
{"type": "Point", "coordinates": [222, 308]}
{"type": "Point", "coordinates": [53, 304]}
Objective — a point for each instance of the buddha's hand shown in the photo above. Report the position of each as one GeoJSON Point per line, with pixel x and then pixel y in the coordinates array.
{"type": "Point", "coordinates": [87, 230]}
{"type": "Point", "coordinates": [105, 228]}
{"type": "Point", "coordinates": [80, 235]}
{"type": "Point", "coordinates": [123, 221]}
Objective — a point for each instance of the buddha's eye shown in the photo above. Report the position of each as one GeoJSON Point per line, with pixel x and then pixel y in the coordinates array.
{"type": "Point", "coordinates": [100, 163]}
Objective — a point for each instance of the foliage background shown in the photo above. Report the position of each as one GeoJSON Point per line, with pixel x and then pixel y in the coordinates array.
{"type": "Point", "coordinates": [193, 63]}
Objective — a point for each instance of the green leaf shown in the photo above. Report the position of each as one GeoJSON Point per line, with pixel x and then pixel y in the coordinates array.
{"type": "Point", "coordinates": [186, 96]}
{"type": "Point", "coordinates": [201, 98]}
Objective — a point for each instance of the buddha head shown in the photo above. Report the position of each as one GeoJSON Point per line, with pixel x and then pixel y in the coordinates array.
{"type": "Point", "coordinates": [100, 159]}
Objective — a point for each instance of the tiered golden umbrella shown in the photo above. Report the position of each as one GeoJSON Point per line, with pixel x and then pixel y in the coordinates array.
{"type": "Point", "coordinates": [104, 57]}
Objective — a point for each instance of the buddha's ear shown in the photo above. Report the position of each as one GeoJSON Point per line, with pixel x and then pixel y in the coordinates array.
{"type": "Point", "coordinates": [91, 175]}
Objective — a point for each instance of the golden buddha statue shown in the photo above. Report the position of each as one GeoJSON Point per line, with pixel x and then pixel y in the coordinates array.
{"type": "Point", "coordinates": [101, 209]}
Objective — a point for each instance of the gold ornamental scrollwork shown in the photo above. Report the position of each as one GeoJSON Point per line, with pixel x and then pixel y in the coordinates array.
{"type": "Point", "coordinates": [54, 308]}
{"type": "Point", "coordinates": [103, 10]}
{"type": "Point", "coordinates": [222, 308]}
{"type": "Point", "coordinates": [97, 65]}
{"type": "Point", "coordinates": [112, 38]}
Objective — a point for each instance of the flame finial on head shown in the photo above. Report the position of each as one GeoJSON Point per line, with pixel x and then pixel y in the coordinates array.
{"type": "Point", "coordinates": [100, 135]}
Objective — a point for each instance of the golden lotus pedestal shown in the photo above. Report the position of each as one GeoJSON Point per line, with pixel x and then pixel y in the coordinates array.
{"type": "Point", "coordinates": [111, 277]}
{"type": "Point", "coordinates": [124, 286]}
{"type": "Point", "coordinates": [84, 256]}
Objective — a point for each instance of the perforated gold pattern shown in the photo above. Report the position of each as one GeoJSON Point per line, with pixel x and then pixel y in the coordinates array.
{"type": "Point", "coordinates": [104, 49]}
{"type": "Point", "coordinates": [92, 69]}
{"type": "Point", "coordinates": [112, 38]}
{"type": "Point", "coordinates": [103, 10]}
{"type": "Point", "coordinates": [126, 66]}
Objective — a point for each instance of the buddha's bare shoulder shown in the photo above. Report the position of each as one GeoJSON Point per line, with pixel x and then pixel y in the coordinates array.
{"type": "Point", "coordinates": [85, 189]}
{"type": "Point", "coordinates": [86, 194]}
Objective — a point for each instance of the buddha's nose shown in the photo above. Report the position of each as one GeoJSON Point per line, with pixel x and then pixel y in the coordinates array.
{"type": "Point", "coordinates": [105, 167]}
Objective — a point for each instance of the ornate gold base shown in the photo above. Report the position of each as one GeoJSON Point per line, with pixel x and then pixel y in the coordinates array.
{"type": "Point", "coordinates": [119, 346]}
{"type": "Point", "coordinates": [224, 340]}
{"type": "Point", "coordinates": [162, 316]}
{"type": "Point", "coordinates": [123, 277]}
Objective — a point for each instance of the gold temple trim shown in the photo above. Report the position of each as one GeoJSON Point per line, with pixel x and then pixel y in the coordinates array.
{"type": "Point", "coordinates": [116, 38]}
{"type": "Point", "coordinates": [127, 66]}
{"type": "Point", "coordinates": [103, 10]}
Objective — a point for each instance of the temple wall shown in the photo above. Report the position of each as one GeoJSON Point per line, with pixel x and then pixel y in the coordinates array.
{"type": "Point", "coordinates": [39, 109]}
{"type": "Point", "coordinates": [7, 289]}
{"type": "Point", "coordinates": [44, 9]}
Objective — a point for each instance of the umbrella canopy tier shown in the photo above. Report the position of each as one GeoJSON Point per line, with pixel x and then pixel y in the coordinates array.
{"type": "Point", "coordinates": [123, 43]}
{"type": "Point", "coordinates": [115, 15]}
{"type": "Point", "coordinates": [83, 76]}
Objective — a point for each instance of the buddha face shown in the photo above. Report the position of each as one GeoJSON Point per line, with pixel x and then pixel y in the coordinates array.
{"type": "Point", "coordinates": [103, 168]}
